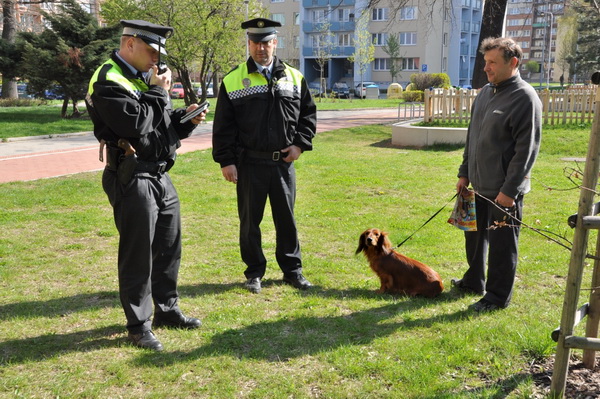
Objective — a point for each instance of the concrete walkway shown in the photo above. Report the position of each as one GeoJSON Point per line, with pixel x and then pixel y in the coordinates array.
{"type": "Point", "coordinates": [33, 158]}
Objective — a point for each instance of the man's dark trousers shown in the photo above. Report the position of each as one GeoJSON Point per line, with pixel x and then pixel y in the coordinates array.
{"type": "Point", "coordinates": [147, 216]}
{"type": "Point", "coordinates": [502, 257]}
{"type": "Point", "coordinates": [277, 181]}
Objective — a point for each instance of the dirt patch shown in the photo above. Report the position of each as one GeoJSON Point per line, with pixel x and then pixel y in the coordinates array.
{"type": "Point", "coordinates": [582, 383]}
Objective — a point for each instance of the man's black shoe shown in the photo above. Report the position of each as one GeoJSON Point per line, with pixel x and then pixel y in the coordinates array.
{"type": "Point", "coordinates": [176, 320]}
{"type": "Point", "coordinates": [253, 285]}
{"type": "Point", "coordinates": [459, 283]}
{"type": "Point", "coordinates": [146, 340]}
{"type": "Point", "coordinates": [483, 306]}
{"type": "Point", "coordinates": [297, 281]}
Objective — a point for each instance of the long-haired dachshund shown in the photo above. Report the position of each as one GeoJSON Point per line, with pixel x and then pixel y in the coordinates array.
{"type": "Point", "coordinates": [399, 274]}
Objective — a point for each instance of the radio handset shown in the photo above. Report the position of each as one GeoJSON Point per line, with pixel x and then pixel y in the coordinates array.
{"type": "Point", "coordinates": [162, 68]}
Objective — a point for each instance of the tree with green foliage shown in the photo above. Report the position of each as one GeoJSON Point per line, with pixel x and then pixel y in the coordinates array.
{"type": "Point", "coordinates": [207, 39]}
{"type": "Point", "coordinates": [66, 54]}
{"type": "Point", "coordinates": [8, 55]}
{"type": "Point", "coordinates": [532, 67]}
{"type": "Point", "coordinates": [392, 48]}
{"type": "Point", "coordinates": [364, 50]}
{"type": "Point", "coordinates": [323, 52]}
{"type": "Point", "coordinates": [587, 56]}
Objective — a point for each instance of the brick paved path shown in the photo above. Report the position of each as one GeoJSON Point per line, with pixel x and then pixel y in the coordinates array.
{"type": "Point", "coordinates": [37, 158]}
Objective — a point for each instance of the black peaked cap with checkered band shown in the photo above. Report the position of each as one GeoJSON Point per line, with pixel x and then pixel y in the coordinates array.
{"type": "Point", "coordinates": [261, 29]}
{"type": "Point", "coordinates": [154, 35]}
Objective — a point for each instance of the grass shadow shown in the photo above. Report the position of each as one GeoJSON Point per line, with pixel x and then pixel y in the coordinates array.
{"type": "Point", "coordinates": [59, 306]}
{"type": "Point", "coordinates": [288, 338]}
{"type": "Point", "coordinates": [499, 389]}
{"type": "Point", "coordinates": [387, 143]}
{"type": "Point", "coordinates": [52, 344]}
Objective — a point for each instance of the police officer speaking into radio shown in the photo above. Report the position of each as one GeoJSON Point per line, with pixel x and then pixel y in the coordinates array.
{"type": "Point", "coordinates": [128, 101]}
{"type": "Point", "coordinates": [265, 119]}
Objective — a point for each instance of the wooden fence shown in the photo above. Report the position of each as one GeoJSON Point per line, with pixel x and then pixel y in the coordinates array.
{"type": "Point", "coordinates": [558, 106]}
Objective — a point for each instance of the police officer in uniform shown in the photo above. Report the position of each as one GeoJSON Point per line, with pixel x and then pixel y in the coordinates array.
{"type": "Point", "coordinates": [128, 101]}
{"type": "Point", "coordinates": [265, 119]}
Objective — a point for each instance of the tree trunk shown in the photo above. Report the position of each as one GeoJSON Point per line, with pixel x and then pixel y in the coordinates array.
{"type": "Point", "coordinates": [491, 26]}
{"type": "Point", "coordinates": [9, 33]}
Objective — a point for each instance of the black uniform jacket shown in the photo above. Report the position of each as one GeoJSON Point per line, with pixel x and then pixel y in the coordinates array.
{"type": "Point", "coordinates": [145, 118]}
{"type": "Point", "coordinates": [263, 120]}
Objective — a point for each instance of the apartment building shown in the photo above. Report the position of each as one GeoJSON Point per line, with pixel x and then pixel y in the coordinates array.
{"type": "Point", "coordinates": [533, 24]}
{"type": "Point", "coordinates": [29, 16]}
{"type": "Point", "coordinates": [438, 38]}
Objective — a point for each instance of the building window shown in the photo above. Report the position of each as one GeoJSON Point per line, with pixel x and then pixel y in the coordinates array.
{"type": "Point", "coordinates": [278, 18]}
{"type": "Point", "coordinates": [380, 14]}
{"type": "Point", "coordinates": [343, 14]}
{"type": "Point", "coordinates": [280, 42]}
{"type": "Point", "coordinates": [408, 38]}
{"type": "Point", "coordinates": [379, 39]}
{"type": "Point", "coordinates": [296, 18]}
{"type": "Point", "coordinates": [408, 13]}
{"type": "Point", "coordinates": [296, 41]}
{"type": "Point", "coordinates": [277, 1]}
{"type": "Point", "coordinates": [318, 16]}
{"type": "Point", "coordinates": [345, 40]}
{"type": "Point", "coordinates": [381, 64]}
{"type": "Point", "coordinates": [410, 64]}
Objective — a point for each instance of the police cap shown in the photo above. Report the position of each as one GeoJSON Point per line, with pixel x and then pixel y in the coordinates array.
{"type": "Point", "coordinates": [261, 29]}
{"type": "Point", "coordinates": [154, 35]}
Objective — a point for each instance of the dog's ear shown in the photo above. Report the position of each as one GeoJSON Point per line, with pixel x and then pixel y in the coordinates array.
{"type": "Point", "coordinates": [361, 243]}
{"type": "Point", "coordinates": [384, 243]}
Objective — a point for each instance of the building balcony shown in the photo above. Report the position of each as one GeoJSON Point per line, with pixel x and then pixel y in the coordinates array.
{"type": "Point", "coordinates": [326, 3]}
{"type": "Point", "coordinates": [336, 52]}
{"type": "Point", "coordinates": [312, 27]}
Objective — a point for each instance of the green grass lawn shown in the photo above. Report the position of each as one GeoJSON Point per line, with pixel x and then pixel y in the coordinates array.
{"type": "Point", "coordinates": [42, 120]}
{"type": "Point", "coordinates": [62, 333]}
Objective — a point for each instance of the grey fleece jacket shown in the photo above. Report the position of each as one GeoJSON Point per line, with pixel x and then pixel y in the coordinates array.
{"type": "Point", "coordinates": [503, 138]}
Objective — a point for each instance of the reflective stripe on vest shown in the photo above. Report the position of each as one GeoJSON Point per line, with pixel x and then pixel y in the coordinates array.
{"type": "Point", "coordinates": [115, 74]}
{"type": "Point", "coordinates": [240, 84]}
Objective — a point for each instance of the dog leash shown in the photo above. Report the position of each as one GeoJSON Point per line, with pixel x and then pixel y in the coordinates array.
{"type": "Point", "coordinates": [428, 220]}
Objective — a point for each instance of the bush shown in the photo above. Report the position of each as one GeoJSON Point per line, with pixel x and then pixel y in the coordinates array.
{"type": "Point", "coordinates": [19, 102]}
{"type": "Point", "coordinates": [423, 81]}
{"type": "Point", "coordinates": [413, 96]}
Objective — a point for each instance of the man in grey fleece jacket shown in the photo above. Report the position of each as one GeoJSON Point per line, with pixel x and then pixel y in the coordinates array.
{"type": "Point", "coordinates": [503, 141]}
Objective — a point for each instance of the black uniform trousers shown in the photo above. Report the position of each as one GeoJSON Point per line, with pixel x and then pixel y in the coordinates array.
{"type": "Point", "coordinates": [147, 216]}
{"type": "Point", "coordinates": [501, 258]}
{"type": "Point", "coordinates": [256, 182]}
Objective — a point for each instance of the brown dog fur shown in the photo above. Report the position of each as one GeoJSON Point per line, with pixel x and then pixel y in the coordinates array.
{"type": "Point", "coordinates": [398, 274]}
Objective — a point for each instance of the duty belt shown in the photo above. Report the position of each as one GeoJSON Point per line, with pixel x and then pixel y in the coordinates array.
{"type": "Point", "coordinates": [151, 167]}
{"type": "Point", "coordinates": [273, 156]}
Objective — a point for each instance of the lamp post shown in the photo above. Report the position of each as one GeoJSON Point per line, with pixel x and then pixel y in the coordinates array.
{"type": "Point", "coordinates": [246, 3]}
{"type": "Point", "coordinates": [549, 68]}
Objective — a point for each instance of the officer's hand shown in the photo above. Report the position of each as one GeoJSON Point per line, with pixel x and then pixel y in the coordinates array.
{"type": "Point", "coordinates": [230, 173]}
{"type": "Point", "coordinates": [163, 80]}
{"type": "Point", "coordinates": [293, 153]}
{"type": "Point", "coordinates": [198, 118]}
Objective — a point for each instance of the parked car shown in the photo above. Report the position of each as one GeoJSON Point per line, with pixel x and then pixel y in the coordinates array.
{"type": "Point", "coordinates": [315, 89]}
{"type": "Point", "coordinates": [54, 93]}
{"type": "Point", "coordinates": [177, 91]}
{"type": "Point", "coordinates": [341, 90]}
{"type": "Point", "coordinates": [22, 91]}
{"type": "Point", "coordinates": [361, 91]}
{"type": "Point", "coordinates": [209, 91]}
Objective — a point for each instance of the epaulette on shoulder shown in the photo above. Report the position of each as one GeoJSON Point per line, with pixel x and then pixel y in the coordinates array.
{"type": "Point", "coordinates": [234, 68]}
{"type": "Point", "coordinates": [105, 68]}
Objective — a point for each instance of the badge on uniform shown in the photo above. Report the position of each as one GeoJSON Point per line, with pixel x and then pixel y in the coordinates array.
{"type": "Point", "coordinates": [246, 82]}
